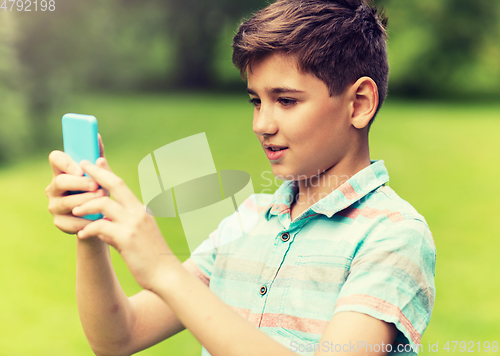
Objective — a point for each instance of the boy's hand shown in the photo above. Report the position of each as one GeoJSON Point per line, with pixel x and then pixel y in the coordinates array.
{"type": "Point", "coordinates": [68, 176]}
{"type": "Point", "coordinates": [127, 227]}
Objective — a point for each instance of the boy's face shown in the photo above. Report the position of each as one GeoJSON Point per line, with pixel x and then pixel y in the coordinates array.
{"type": "Point", "coordinates": [294, 110]}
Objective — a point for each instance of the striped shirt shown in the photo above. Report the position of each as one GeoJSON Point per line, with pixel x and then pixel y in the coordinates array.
{"type": "Point", "coordinates": [361, 248]}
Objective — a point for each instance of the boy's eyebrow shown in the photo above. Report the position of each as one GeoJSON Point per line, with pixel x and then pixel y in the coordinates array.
{"type": "Point", "coordinates": [278, 90]}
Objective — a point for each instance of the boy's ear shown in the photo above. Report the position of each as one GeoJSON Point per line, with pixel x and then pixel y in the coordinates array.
{"type": "Point", "coordinates": [364, 100]}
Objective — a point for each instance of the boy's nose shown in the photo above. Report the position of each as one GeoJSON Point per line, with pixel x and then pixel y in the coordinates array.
{"type": "Point", "coordinates": [263, 122]}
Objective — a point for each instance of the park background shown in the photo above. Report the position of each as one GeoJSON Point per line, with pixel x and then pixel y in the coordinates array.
{"type": "Point", "coordinates": [156, 71]}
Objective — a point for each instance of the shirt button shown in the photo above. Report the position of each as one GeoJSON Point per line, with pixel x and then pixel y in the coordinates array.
{"type": "Point", "coordinates": [263, 290]}
{"type": "Point", "coordinates": [285, 237]}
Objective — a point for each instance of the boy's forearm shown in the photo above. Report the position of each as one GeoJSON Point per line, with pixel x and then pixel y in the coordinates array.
{"type": "Point", "coordinates": [218, 327]}
{"type": "Point", "coordinates": [104, 309]}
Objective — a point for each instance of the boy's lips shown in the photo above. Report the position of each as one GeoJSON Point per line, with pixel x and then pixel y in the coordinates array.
{"type": "Point", "coordinates": [275, 152]}
{"type": "Point", "coordinates": [275, 147]}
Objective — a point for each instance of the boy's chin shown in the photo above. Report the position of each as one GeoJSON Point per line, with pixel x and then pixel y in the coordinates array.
{"type": "Point", "coordinates": [285, 174]}
{"type": "Point", "coordinates": [282, 173]}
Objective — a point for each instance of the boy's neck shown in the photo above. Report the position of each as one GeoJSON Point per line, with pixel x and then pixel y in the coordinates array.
{"type": "Point", "coordinates": [315, 188]}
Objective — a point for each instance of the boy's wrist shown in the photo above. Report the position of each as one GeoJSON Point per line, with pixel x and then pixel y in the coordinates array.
{"type": "Point", "coordinates": [168, 277]}
{"type": "Point", "coordinates": [91, 243]}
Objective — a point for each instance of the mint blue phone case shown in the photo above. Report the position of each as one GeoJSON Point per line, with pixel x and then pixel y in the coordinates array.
{"type": "Point", "coordinates": [81, 142]}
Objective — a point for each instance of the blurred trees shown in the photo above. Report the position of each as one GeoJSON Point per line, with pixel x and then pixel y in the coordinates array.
{"type": "Point", "coordinates": [196, 26]}
{"type": "Point", "coordinates": [437, 48]}
{"type": "Point", "coordinates": [444, 48]}
{"type": "Point", "coordinates": [13, 123]}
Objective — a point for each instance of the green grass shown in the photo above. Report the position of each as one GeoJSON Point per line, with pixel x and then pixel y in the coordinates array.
{"type": "Point", "coordinates": [442, 158]}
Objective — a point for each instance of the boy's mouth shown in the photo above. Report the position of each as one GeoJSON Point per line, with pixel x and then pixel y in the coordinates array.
{"type": "Point", "coordinates": [274, 153]}
{"type": "Point", "coordinates": [275, 148]}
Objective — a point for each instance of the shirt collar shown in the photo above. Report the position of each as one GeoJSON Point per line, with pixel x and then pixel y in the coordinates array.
{"type": "Point", "coordinates": [351, 191]}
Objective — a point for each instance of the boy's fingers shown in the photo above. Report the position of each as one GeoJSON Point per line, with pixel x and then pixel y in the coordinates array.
{"type": "Point", "coordinates": [111, 182]}
{"type": "Point", "coordinates": [101, 145]}
{"type": "Point", "coordinates": [103, 163]}
{"type": "Point", "coordinates": [70, 224]}
{"type": "Point", "coordinates": [105, 230]}
{"type": "Point", "coordinates": [61, 162]}
{"type": "Point", "coordinates": [65, 205]}
{"type": "Point", "coordinates": [103, 205]}
{"type": "Point", "coordinates": [66, 182]}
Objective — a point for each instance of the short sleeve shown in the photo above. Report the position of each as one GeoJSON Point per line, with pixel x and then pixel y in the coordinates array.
{"type": "Point", "coordinates": [200, 264]}
{"type": "Point", "coordinates": [231, 228]}
{"type": "Point", "coordinates": [392, 279]}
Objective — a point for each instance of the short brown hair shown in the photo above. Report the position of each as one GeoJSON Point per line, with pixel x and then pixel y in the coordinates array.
{"type": "Point", "coordinates": [338, 41]}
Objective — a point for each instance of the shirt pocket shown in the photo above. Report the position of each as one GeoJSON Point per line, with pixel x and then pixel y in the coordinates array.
{"type": "Point", "coordinates": [309, 298]}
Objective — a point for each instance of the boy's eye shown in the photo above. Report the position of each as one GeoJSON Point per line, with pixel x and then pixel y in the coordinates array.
{"type": "Point", "coordinates": [254, 101]}
{"type": "Point", "coordinates": [287, 102]}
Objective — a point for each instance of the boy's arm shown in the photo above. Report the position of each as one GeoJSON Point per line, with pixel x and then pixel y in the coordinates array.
{"type": "Point", "coordinates": [113, 323]}
{"type": "Point", "coordinates": [352, 333]}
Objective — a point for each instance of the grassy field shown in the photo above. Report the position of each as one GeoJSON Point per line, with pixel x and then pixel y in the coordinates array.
{"type": "Point", "coordinates": [442, 157]}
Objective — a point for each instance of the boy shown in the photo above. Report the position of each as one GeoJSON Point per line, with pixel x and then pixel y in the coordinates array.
{"type": "Point", "coordinates": [337, 262]}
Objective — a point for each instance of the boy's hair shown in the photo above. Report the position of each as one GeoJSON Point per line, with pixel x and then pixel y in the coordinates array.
{"type": "Point", "coordinates": [338, 41]}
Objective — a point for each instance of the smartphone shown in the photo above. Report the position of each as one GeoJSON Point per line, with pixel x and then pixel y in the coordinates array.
{"type": "Point", "coordinates": [81, 143]}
